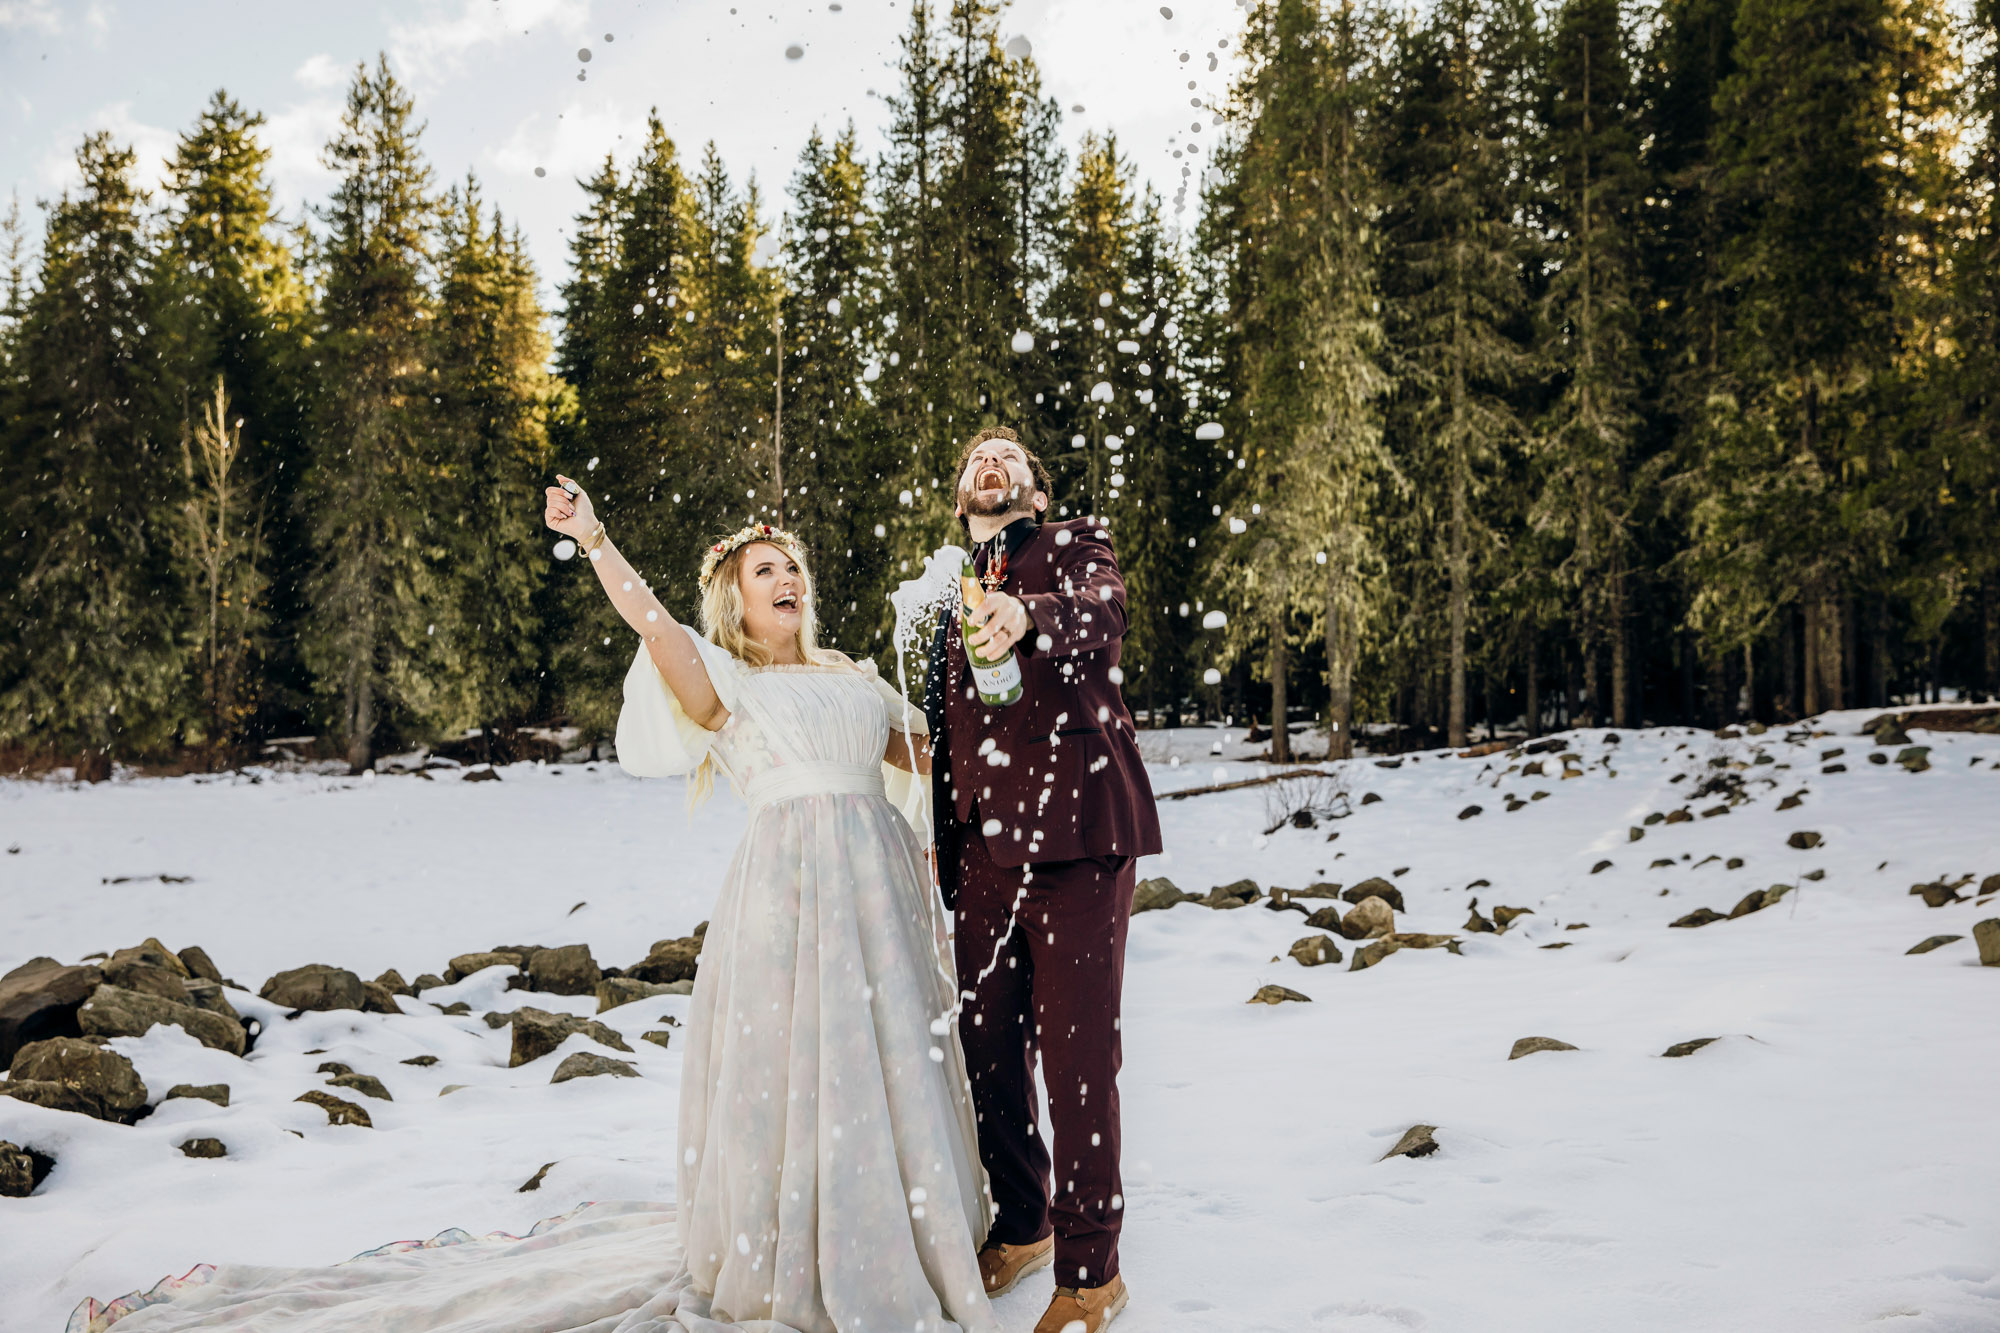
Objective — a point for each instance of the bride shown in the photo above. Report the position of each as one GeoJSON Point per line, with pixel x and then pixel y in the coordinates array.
{"type": "Point", "coordinates": [829, 1177]}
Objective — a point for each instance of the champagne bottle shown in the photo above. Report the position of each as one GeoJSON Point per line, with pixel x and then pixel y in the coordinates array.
{"type": "Point", "coordinates": [999, 681]}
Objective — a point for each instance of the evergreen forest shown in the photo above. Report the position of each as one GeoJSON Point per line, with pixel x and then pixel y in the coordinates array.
{"type": "Point", "coordinates": [1495, 364]}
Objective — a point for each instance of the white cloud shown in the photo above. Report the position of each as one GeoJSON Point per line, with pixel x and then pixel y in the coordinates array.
{"type": "Point", "coordinates": [295, 136]}
{"type": "Point", "coordinates": [322, 72]}
{"type": "Point", "coordinates": [153, 144]}
{"type": "Point", "coordinates": [30, 16]}
{"type": "Point", "coordinates": [431, 50]}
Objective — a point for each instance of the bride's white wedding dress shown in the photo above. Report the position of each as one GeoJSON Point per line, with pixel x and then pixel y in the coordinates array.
{"type": "Point", "coordinates": [829, 1177]}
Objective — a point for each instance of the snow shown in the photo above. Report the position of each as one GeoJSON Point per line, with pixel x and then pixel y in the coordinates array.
{"type": "Point", "coordinates": [1829, 1162]}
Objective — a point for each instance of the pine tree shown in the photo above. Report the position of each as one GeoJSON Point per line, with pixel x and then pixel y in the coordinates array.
{"type": "Point", "coordinates": [491, 397]}
{"type": "Point", "coordinates": [94, 656]}
{"type": "Point", "coordinates": [371, 494]}
{"type": "Point", "coordinates": [1975, 372]}
{"type": "Point", "coordinates": [223, 545]}
{"type": "Point", "coordinates": [1585, 447]}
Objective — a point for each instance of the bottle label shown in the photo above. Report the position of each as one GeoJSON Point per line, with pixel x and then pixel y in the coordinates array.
{"type": "Point", "coordinates": [1001, 678]}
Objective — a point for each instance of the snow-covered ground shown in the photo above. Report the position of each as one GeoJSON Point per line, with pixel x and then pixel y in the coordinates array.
{"type": "Point", "coordinates": [1832, 1162]}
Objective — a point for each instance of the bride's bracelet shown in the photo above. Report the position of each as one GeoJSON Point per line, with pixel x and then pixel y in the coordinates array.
{"type": "Point", "coordinates": [594, 540]}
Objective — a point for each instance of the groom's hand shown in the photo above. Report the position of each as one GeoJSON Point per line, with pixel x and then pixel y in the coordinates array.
{"type": "Point", "coordinates": [1000, 623]}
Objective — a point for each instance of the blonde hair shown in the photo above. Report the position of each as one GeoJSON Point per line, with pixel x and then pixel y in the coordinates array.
{"type": "Point", "coordinates": [722, 625]}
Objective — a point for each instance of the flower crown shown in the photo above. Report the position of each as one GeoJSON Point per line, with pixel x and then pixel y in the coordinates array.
{"type": "Point", "coordinates": [756, 532]}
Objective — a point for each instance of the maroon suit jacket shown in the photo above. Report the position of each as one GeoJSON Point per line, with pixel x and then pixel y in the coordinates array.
{"type": "Point", "coordinates": [1061, 779]}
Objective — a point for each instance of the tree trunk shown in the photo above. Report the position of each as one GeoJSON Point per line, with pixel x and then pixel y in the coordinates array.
{"type": "Point", "coordinates": [1281, 731]}
{"type": "Point", "coordinates": [361, 725]}
{"type": "Point", "coordinates": [1687, 679]}
{"type": "Point", "coordinates": [1718, 690]}
{"type": "Point", "coordinates": [1788, 665]}
{"type": "Point", "coordinates": [1814, 701]}
{"type": "Point", "coordinates": [1339, 679]}
{"type": "Point", "coordinates": [1621, 649]}
{"type": "Point", "coordinates": [1989, 617]}
{"type": "Point", "coordinates": [1531, 704]}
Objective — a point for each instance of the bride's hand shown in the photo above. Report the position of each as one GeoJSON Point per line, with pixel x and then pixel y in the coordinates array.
{"type": "Point", "coordinates": [571, 515]}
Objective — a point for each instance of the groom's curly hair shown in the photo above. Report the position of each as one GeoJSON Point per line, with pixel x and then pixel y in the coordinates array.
{"type": "Point", "coordinates": [1036, 467]}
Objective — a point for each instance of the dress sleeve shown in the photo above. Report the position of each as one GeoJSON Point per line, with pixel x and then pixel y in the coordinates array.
{"type": "Point", "coordinates": [908, 792]}
{"type": "Point", "coordinates": [656, 737]}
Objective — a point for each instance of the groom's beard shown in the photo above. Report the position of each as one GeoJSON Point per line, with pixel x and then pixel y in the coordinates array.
{"type": "Point", "coordinates": [1015, 498]}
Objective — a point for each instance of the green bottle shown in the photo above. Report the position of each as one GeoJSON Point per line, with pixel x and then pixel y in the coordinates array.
{"type": "Point", "coordinates": [999, 682]}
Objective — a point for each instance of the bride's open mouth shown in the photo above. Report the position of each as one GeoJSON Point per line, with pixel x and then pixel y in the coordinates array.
{"type": "Point", "coordinates": [788, 602]}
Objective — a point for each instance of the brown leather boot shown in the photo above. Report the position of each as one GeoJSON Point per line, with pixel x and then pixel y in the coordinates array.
{"type": "Point", "coordinates": [1083, 1309]}
{"type": "Point", "coordinates": [1001, 1266]}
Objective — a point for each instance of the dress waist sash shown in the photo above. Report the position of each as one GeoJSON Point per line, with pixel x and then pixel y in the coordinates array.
{"type": "Point", "coordinates": [816, 778]}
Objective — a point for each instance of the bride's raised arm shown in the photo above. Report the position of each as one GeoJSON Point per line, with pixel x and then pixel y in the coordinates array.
{"type": "Point", "coordinates": [668, 642]}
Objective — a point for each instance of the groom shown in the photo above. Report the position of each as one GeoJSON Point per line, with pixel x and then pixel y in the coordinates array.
{"type": "Point", "coordinates": [1043, 807]}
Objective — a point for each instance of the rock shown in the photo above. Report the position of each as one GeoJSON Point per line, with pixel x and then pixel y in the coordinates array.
{"type": "Point", "coordinates": [378, 999]}
{"type": "Point", "coordinates": [589, 1064]}
{"type": "Point", "coordinates": [332, 1067]}
{"type": "Point", "coordinates": [22, 1170]}
{"type": "Point", "coordinates": [1792, 802]}
{"type": "Point", "coordinates": [567, 969]}
{"type": "Point", "coordinates": [1239, 894]}
{"type": "Point", "coordinates": [52, 1096]}
{"type": "Point", "coordinates": [111, 1012]}
{"type": "Point", "coordinates": [1986, 934]}
{"type": "Point", "coordinates": [1889, 731]}
{"type": "Point", "coordinates": [667, 960]}
{"type": "Point", "coordinates": [1914, 758]}
{"type": "Point", "coordinates": [1281, 901]}
{"type": "Point", "coordinates": [1470, 812]}
{"type": "Point", "coordinates": [1153, 895]}
{"type": "Point", "coordinates": [1681, 1048]}
{"type": "Point", "coordinates": [1753, 901]}
{"type": "Point", "coordinates": [1634, 833]}
{"type": "Point", "coordinates": [102, 1081]}
{"type": "Point", "coordinates": [1529, 1045]}
{"type": "Point", "coordinates": [1314, 950]}
{"type": "Point", "coordinates": [624, 990]}
{"type": "Point", "coordinates": [480, 775]}
{"type": "Point", "coordinates": [1278, 995]}
{"type": "Point", "coordinates": [1989, 885]}
{"type": "Point", "coordinates": [1333, 890]}
{"type": "Point", "coordinates": [1653, 819]}
{"type": "Point", "coordinates": [1700, 916]}
{"type": "Point", "coordinates": [1476, 923]}
{"type": "Point", "coordinates": [420, 1061]}
{"type": "Point", "coordinates": [1417, 940]}
{"type": "Point", "coordinates": [1504, 917]}
{"type": "Point", "coordinates": [316, 987]}
{"type": "Point", "coordinates": [658, 1036]}
{"type": "Point", "coordinates": [457, 1008]}
{"type": "Point", "coordinates": [1733, 863]}
{"type": "Point", "coordinates": [1370, 798]}
{"type": "Point", "coordinates": [154, 954]}
{"type": "Point", "coordinates": [1934, 942]}
{"type": "Point", "coordinates": [1878, 758]}
{"type": "Point", "coordinates": [427, 981]}
{"type": "Point", "coordinates": [1326, 918]}
{"type": "Point", "coordinates": [199, 965]}
{"type": "Point", "coordinates": [466, 964]}
{"type": "Point", "coordinates": [534, 1182]}
{"type": "Point", "coordinates": [1803, 840]}
{"type": "Point", "coordinates": [1376, 887]}
{"type": "Point", "coordinates": [1936, 894]}
{"type": "Point", "coordinates": [338, 1112]}
{"type": "Point", "coordinates": [392, 981]}
{"type": "Point", "coordinates": [207, 1092]}
{"type": "Point", "coordinates": [1680, 816]}
{"type": "Point", "coordinates": [1417, 1141]}
{"type": "Point", "coordinates": [204, 1148]}
{"type": "Point", "coordinates": [1368, 919]}
{"type": "Point", "coordinates": [537, 1032]}
{"type": "Point", "coordinates": [365, 1084]}
{"type": "Point", "coordinates": [1370, 954]}
{"type": "Point", "coordinates": [1600, 867]}
{"type": "Point", "coordinates": [208, 995]}
{"type": "Point", "coordinates": [497, 1020]}
{"type": "Point", "coordinates": [450, 1088]}
{"type": "Point", "coordinates": [39, 1000]}
{"type": "Point", "coordinates": [147, 978]}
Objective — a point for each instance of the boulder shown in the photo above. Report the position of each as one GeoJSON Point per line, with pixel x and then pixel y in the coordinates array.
{"type": "Point", "coordinates": [1986, 934]}
{"type": "Point", "coordinates": [1600, 867]}
{"type": "Point", "coordinates": [1681, 816]}
{"type": "Point", "coordinates": [22, 1170]}
{"type": "Point", "coordinates": [1753, 901]}
{"type": "Point", "coordinates": [497, 1020]}
{"type": "Point", "coordinates": [565, 970]}
{"type": "Point", "coordinates": [1989, 885]}
{"type": "Point", "coordinates": [1368, 919]}
{"type": "Point", "coordinates": [104, 1081]}
{"type": "Point", "coordinates": [1934, 942]}
{"type": "Point", "coordinates": [204, 994]}
{"type": "Point", "coordinates": [1157, 894]}
{"type": "Point", "coordinates": [427, 981]}
{"type": "Point", "coordinates": [1326, 918]}
{"type": "Point", "coordinates": [1914, 758]}
{"type": "Point", "coordinates": [317, 987]}
{"type": "Point", "coordinates": [1370, 954]}
{"type": "Point", "coordinates": [338, 1112]}
{"type": "Point", "coordinates": [1370, 798]}
{"type": "Point", "coordinates": [147, 978]}
{"type": "Point", "coordinates": [332, 1066]}
{"type": "Point", "coordinates": [1700, 916]}
{"type": "Point", "coordinates": [1415, 940]}
{"type": "Point", "coordinates": [535, 1181]}
{"type": "Point", "coordinates": [392, 981]}
{"type": "Point", "coordinates": [52, 1096]}
{"type": "Point", "coordinates": [1937, 894]}
{"type": "Point", "coordinates": [466, 964]}
{"type": "Point", "coordinates": [378, 999]}
{"type": "Point", "coordinates": [1324, 890]}
{"type": "Point", "coordinates": [1803, 840]}
{"type": "Point", "coordinates": [537, 1032]}
{"type": "Point", "coordinates": [1470, 812]}
{"type": "Point", "coordinates": [39, 1000]}
{"type": "Point", "coordinates": [204, 1148]}
{"type": "Point", "coordinates": [365, 1084]}
{"type": "Point", "coordinates": [1530, 1045]}
{"type": "Point", "coordinates": [667, 960]}
{"type": "Point", "coordinates": [1792, 802]}
{"type": "Point", "coordinates": [154, 954]}
{"type": "Point", "coordinates": [420, 1061]}
{"type": "Point", "coordinates": [1504, 917]}
{"type": "Point", "coordinates": [1376, 887]}
{"type": "Point", "coordinates": [1314, 950]}
{"type": "Point", "coordinates": [1281, 901]}
{"type": "Point", "coordinates": [207, 1092]}
{"type": "Point", "coordinates": [614, 991]}
{"type": "Point", "coordinates": [1680, 1048]}
{"type": "Point", "coordinates": [658, 1036]}
{"type": "Point", "coordinates": [112, 1012]}
{"type": "Point", "coordinates": [1417, 1141]}
{"type": "Point", "coordinates": [199, 965]}
{"type": "Point", "coordinates": [1278, 995]}
{"type": "Point", "coordinates": [589, 1064]}
{"type": "Point", "coordinates": [1239, 894]}
{"type": "Point", "coordinates": [1476, 923]}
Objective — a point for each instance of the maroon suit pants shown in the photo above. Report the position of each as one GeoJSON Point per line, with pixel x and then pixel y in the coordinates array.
{"type": "Point", "coordinates": [1041, 956]}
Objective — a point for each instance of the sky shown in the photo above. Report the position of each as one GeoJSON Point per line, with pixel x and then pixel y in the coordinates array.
{"type": "Point", "coordinates": [506, 91]}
